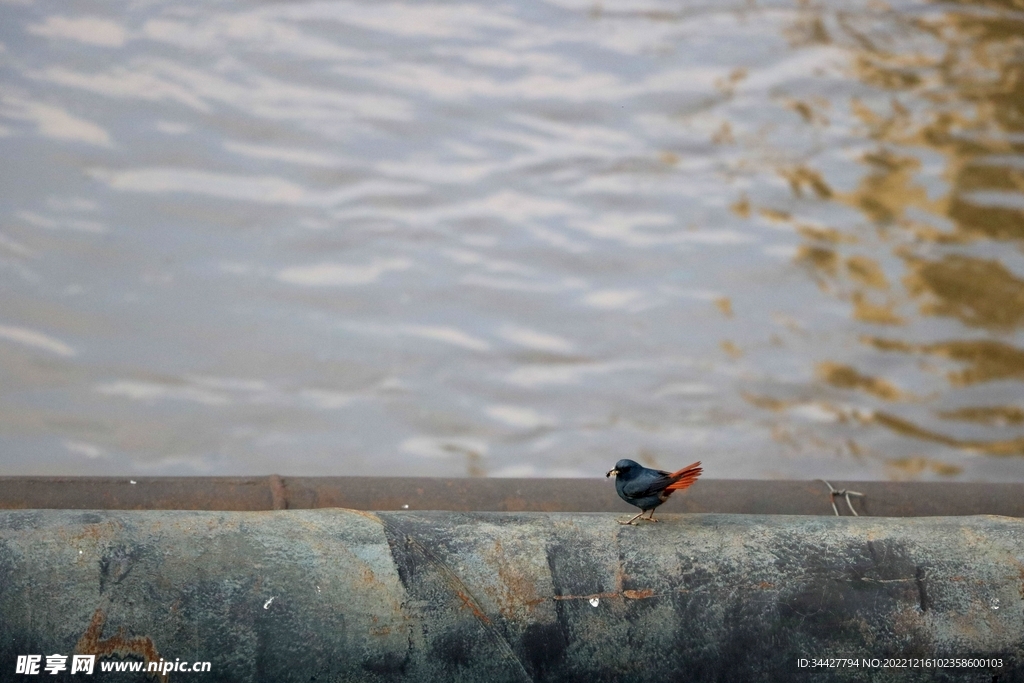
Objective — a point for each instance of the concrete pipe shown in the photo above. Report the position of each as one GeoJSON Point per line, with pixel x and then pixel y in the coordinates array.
{"type": "Point", "coordinates": [340, 595]}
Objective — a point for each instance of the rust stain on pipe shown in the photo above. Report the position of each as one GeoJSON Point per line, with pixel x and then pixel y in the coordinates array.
{"type": "Point", "coordinates": [118, 645]}
{"type": "Point", "coordinates": [278, 492]}
{"type": "Point", "coordinates": [471, 605]}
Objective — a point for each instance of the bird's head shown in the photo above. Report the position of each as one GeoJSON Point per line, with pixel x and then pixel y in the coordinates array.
{"type": "Point", "coordinates": [623, 468]}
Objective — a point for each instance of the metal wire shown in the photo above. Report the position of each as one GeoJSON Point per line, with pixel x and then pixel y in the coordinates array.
{"type": "Point", "coordinates": [845, 493]}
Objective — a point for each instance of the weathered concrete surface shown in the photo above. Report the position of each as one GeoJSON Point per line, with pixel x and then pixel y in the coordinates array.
{"type": "Point", "coordinates": [338, 595]}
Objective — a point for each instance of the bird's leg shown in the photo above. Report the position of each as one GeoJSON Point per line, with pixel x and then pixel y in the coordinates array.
{"type": "Point", "coordinates": [631, 519]}
{"type": "Point", "coordinates": [650, 517]}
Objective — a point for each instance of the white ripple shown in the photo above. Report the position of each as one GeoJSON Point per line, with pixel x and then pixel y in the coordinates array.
{"type": "Point", "coordinates": [783, 251]}
{"type": "Point", "coordinates": [78, 224]}
{"type": "Point", "coordinates": [249, 28]}
{"type": "Point", "coordinates": [325, 399]}
{"type": "Point", "coordinates": [443, 447]}
{"type": "Point", "coordinates": [532, 339]}
{"type": "Point", "coordinates": [341, 275]}
{"type": "Point", "coordinates": [685, 389]}
{"type": "Point", "coordinates": [628, 229]}
{"type": "Point", "coordinates": [545, 374]}
{"type": "Point", "coordinates": [510, 207]}
{"type": "Point", "coordinates": [582, 135]}
{"type": "Point", "coordinates": [417, 21]}
{"type": "Point", "coordinates": [302, 157]}
{"type": "Point", "coordinates": [15, 247]}
{"type": "Point", "coordinates": [87, 449]}
{"type": "Point", "coordinates": [139, 83]}
{"type": "Point", "coordinates": [172, 127]}
{"type": "Point", "coordinates": [518, 416]}
{"type": "Point", "coordinates": [62, 203]}
{"type": "Point", "coordinates": [1000, 199]}
{"type": "Point", "coordinates": [53, 122]}
{"type": "Point", "coordinates": [447, 335]}
{"type": "Point", "coordinates": [233, 384]}
{"type": "Point", "coordinates": [263, 189]}
{"type": "Point", "coordinates": [451, 173]}
{"type": "Point", "coordinates": [445, 83]}
{"type": "Point", "coordinates": [517, 207]}
{"type": "Point", "coordinates": [329, 112]}
{"type": "Point", "coordinates": [814, 413]}
{"type": "Point", "coordinates": [611, 299]}
{"type": "Point", "coordinates": [439, 333]}
{"type": "Point", "coordinates": [523, 471]}
{"type": "Point", "coordinates": [37, 340]}
{"type": "Point", "coordinates": [800, 64]}
{"type": "Point", "coordinates": [89, 30]}
{"type": "Point", "coordinates": [714, 237]}
{"type": "Point", "coordinates": [506, 58]}
{"type": "Point", "coordinates": [513, 285]}
{"type": "Point", "coordinates": [151, 391]}
{"type": "Point", "coordinates": [469, 257]}
{"type": "Point", "coordinates": [260, 189]}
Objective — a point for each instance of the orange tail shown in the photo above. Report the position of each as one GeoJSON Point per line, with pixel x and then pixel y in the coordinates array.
{"type": "Point", "coordinates": [685, 477]}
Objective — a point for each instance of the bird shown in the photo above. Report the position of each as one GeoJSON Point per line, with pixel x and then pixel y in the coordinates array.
{"type": "Point", "coordinates": [647, 488]}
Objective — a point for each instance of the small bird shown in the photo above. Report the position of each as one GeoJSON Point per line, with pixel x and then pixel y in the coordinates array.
{"type": "Point", "coordinates": [647, 488]}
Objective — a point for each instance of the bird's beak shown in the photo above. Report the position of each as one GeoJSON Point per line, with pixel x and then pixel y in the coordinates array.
{"type": "Point", "coordinates": [611, 472]}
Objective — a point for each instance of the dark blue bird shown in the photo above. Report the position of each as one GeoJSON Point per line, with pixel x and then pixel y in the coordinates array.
{"type": "Point", "coordinates": [647, 488]}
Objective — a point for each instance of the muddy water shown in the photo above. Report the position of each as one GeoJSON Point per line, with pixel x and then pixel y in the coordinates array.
{"type": "Point", "coordinates": [520, 239]}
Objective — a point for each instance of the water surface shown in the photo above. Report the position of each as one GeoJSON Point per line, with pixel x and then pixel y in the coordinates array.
{"type": "Point", "coordinates": [512, 239]}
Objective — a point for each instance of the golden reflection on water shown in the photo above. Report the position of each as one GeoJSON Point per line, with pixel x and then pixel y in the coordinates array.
{"type": "Point", "coordinates": [846, 377]}
{"type": "Point", "coordinates": [940, 197]}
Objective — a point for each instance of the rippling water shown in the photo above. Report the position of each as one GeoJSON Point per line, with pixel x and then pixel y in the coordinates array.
{"type": "Point", "coordinates": [512, 239]}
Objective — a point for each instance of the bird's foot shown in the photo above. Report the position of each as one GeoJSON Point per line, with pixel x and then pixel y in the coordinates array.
{"type": "Point", "coordinates": [632, 520]}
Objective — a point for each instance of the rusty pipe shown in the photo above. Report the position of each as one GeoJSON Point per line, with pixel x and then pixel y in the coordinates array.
{"type": "Point", "coordinates": [740, 496]}
{"type": "Point", "coordinates": [340, 595]}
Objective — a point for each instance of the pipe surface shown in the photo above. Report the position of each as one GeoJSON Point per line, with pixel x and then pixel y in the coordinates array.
{"type": "Point", "coordinates": [341, 595]}
{"type": "Point", "coordinates": [740, 496]}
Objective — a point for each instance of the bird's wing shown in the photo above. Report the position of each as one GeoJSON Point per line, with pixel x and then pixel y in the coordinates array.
{"type": "Point", "coordinates": [648, 483]}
